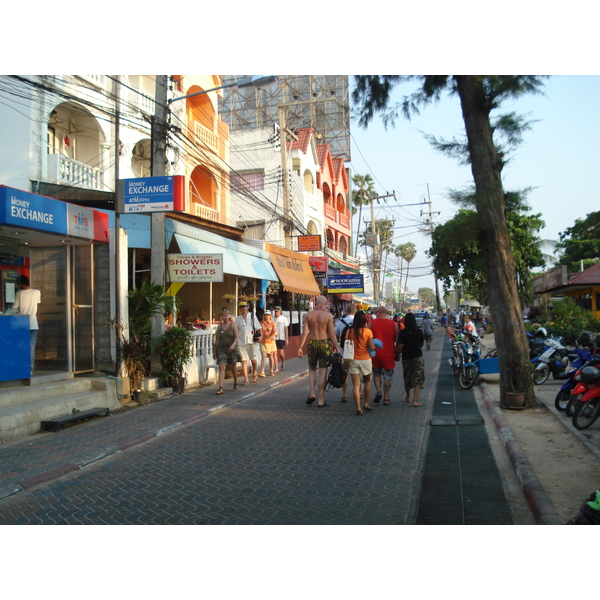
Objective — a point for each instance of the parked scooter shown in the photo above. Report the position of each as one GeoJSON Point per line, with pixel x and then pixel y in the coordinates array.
{"type": "Point", "coordinates": [554, 360]}
{"type": "Point", "coordinates": [581, 387]}
{"type": "Point", "coordinates": [587, 355]}
{"type": "Point", "coordinates": [468, 373]}
{"type": "Point", "coordinates": [588, 407]}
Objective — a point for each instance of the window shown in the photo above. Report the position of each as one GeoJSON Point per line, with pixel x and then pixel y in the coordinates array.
{"type": "Point", "coordinates": [248, 181]}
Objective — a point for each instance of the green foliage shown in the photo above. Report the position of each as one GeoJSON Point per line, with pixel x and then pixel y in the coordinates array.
{"type": "Point", "coordinates": [569, 320]}
{"type": "Point", "coordinates": [427, 296]}
{"type": "Point", "coordinates": [582, 240]}
{"type": "Point", "coordinates": [146, 302]}
{"type": "Point", "coordinates": [175, 351]}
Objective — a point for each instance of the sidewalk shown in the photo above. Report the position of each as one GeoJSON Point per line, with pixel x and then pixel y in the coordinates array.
{"type": "Point", "coordinates": [437, 458]}
{"type": "Point", "coordinates": [36, 459]}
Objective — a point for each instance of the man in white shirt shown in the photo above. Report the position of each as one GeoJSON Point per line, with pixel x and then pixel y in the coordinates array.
{"type": "Point", "coordinates": [248, 329]}
{"type": "Point", "coordinates": [281, 340]}
{"type": "Point", "coordinates": [339, 329]}
{"type": "Point", "coordinates": [26, 303]}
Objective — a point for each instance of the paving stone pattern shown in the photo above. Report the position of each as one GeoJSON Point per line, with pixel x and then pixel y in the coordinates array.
{"type": "Point", "coordinates": [270, 459]}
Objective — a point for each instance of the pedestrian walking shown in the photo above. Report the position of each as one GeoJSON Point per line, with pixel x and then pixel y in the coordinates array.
{"type": "Point", "coordinates": [249, 332]}
{"type": "Point", "coordinates": [281, 340]}
{"type": "Point", "coordinates": [428, 330]}
{"type": "Point", "coordinates": [361, 365]}
{"type": "Point", "coordinates": [341, 325]}
{"type": "Point", "coordinates": [385, 330]}
{"type": "Point", "coordinates": [225, 350]}
{"type": "Point", "coordinates": [26, 303]}
{"type": "Point", "coordinates": [413, 364]}
{"type": "Point", "coordinates": [317, 327]}
{"type": "Point", "coordinates": [268, 348]}
{"type": "Point", "coordinates": [444, 324]}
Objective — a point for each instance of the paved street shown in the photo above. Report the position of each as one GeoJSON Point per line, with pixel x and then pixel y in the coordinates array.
{"type": "Point", "coordinates": [267, 458]}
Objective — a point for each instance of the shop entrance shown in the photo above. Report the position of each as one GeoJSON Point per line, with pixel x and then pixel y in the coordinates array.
{"type": "Point", "coordinates": [64, 276]}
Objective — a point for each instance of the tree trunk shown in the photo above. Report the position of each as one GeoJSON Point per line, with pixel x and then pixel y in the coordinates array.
{"type": "Point", "coordinates": [486, 166]}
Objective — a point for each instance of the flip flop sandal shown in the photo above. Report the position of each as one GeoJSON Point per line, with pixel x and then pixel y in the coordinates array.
{"type": "Point", "coordinates": [378, 397]}
{"type": "Point", "coordinates": [344, 399]}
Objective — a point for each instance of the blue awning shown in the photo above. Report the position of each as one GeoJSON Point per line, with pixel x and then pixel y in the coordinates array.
{"type": "Point", "coordinates": [238, 259]}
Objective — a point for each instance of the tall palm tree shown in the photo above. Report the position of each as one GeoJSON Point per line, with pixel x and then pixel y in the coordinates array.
{"type": "Point", "coordinates": [408, 253]}
{"type": "Point", "coordinates": [363, 190]}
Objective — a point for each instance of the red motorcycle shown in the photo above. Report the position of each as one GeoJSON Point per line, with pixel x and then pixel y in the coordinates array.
{"type": "Point", "coordinates": [588, 406]}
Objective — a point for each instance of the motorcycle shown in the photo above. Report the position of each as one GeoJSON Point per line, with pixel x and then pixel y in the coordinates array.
{"type": "Point", "coordinates": [469, 371]}
{"type": "Point", "coordinates": [581, 387]}
{"type": "Point", "coordinates": [584, 359]}
{"type": "Point", "coordinates": [554, 360]}
{"type": "Point", "coordinates": [588, 407]}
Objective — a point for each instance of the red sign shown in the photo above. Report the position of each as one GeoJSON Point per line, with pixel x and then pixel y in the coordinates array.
{"type": "Point", "coordinates": [318, 263]}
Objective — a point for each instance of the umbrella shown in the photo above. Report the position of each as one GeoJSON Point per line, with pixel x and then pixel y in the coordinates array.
{"type": "Point", "coordinates": [470, 302]}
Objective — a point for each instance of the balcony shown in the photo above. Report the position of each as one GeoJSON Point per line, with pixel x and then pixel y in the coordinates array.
{"type": "Point", "coordinates": [205, 136]}
{"type": "Point", "coordinates": [344, 220]}
{"type": "Point", "coordinates": [145, 103]}
{"type": "Point", "coordinates": [66, 171]}
{"type": "Point", "coordinates": [330, 212]}
{"type": "Point", "coordinates": [206, 212]}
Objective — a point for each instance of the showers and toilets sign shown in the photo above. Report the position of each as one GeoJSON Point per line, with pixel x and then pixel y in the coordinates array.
{"type": "Point", "coordinates": [152, 194]}
{"type": "Point", "coordinates": [199, 268]}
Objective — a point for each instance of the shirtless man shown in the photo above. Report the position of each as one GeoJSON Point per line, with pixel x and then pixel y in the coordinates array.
{"type": "Point", "coordinates": [318, 328]}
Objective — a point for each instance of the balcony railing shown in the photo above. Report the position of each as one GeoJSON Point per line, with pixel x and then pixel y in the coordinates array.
{"type": "Point", "coordinates": [206, 212]}
{"type": "Point", "coordinates": [344, 220]}
{"type": "Point", "coordinates": [67, 171]}
{"type": "Point", "coordinates": [330, 212]}
{"type": "Point", "coordinates": [206, 136]}
{"type": "Point", "coordinates": [146, 104]}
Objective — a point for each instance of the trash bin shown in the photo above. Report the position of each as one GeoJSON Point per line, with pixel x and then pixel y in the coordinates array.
{"type": "Point", "coordinates": [513, 400]}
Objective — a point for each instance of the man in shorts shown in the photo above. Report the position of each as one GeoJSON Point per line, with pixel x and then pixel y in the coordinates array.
{"type": "Point", "coordinates": [247, 325]}
{"type": "Point", "coordinates": [387, 332]}
{"type": "Point", "coordinates": [282, 337]}
{"type": "Point", "coordinates": [344, 322]}
{"type": "Point", "coordinates": [318, 329]}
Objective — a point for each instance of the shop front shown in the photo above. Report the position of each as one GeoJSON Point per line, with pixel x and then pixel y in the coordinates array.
{"type": "Point", "coordinates": [52, 243]}
{"type": "Point", "coordinates": [296, 292]}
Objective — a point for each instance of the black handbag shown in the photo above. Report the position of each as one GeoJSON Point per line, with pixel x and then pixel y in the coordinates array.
{"type": "Point", "coordinates": [256, 335]}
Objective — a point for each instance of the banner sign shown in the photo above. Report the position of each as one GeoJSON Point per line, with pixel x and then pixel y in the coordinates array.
{"type": "Point", "coordinates": [31, 211]}
{"type": "Point", "coordinates": [319, 266]}
{"type": "Point", "coordinates": [188, 268]}
{"type": "Point", "coordinates": [309, 243]}
{"type": "Point", "coordinates": [345, 284]}
{"type": "Point", "coordinates": [152, 194]}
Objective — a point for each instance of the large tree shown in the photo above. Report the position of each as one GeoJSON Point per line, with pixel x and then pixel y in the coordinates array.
{"type": "Point", "coordinates": [479, 95]}
{"type": "Point", "coordinates": [581, 241]}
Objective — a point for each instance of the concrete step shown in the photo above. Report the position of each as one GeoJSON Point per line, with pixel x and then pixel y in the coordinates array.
{"type": "Point", "coordinates": [24, 418]}
{"type": "Point", "coordinates": [23, 394]}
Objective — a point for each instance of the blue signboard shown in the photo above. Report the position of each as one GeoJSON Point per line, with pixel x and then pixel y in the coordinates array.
{"type": "Point", "coordinates": [152, 194]}
{"type": "Point", "coordinates": [30, 211]}
{"type": "Point", "coordinates": [345, 284]}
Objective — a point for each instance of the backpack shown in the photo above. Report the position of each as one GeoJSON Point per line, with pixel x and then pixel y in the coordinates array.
{"type": "Point", "coordinates": [337, 374]}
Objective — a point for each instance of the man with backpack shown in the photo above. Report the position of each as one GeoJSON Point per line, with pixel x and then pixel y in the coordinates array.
{"type": "Point", "coordinates": [340, 331]}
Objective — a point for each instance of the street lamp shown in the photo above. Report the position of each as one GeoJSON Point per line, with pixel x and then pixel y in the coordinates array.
{"type": "Point", "coordinates": [261, 82]}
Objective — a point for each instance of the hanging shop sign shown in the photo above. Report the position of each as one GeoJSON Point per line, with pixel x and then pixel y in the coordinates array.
{"type": "Point", "coordinates": [319, 265]}
{"type": "Point", "coordinates": [188, 268]}
{"type": "Point", "coordinates": [345, 284]}
{"type": "Point", "coordinates": [309, 243]}
{"type": "Point", "coordinates": [31, 211]}
{"type": "Point", "coordinates": [152, 194]}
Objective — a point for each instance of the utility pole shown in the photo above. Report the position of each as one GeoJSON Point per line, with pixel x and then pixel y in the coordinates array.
{"type": "Point", "coordinates": [287, 225]}
{"type": "Point", "coordinates": [438, 304]}
{"type": "Point", "coordinates": [376, 248]}
{"type": "Point", "coordinates": [157, 232]}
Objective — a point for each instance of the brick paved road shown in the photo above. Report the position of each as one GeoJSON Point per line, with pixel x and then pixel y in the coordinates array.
{"type": "Point", "coordinates": [268, 460]}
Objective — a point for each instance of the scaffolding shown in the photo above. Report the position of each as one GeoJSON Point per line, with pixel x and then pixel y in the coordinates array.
{"type": "Point", "coordinates": [318, 101]}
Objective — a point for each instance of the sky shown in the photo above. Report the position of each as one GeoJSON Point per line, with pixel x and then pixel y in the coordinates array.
{"type": "Point", "coordinates": [559, 158]}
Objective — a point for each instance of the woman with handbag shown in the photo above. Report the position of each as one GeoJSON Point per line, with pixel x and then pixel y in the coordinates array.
{"type": "Point", "coordinates": [226, 351]}
{"type": "Point", "coordinates": [359, 348]}
{"type": "Point", "coordinates": [267, 343]}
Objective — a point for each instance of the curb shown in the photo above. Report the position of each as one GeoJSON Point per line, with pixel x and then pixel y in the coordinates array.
{"type": "Point", "coordinates": [539, 502]}
{"type": "Point", "coordinates": [16, 488]}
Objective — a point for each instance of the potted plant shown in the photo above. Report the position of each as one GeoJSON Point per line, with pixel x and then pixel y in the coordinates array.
{"type": "Point", "coordinates": [229, 297]}
{"type": "Point", "coordinates": [134, 345]}
{"type": "Point", "coordinates": [175, 351]}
